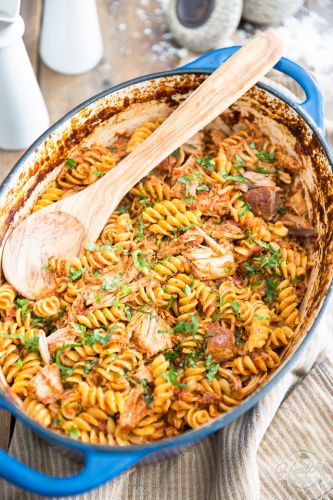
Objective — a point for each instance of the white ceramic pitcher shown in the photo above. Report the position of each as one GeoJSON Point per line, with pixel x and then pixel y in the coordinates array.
{"type": "Point", "coordinates": [23, 114]}
{"type": "Point", "coordinates": [71, 40]}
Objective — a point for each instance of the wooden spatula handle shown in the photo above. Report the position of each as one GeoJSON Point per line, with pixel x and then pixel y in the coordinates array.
{"type": "Point", "coordinates": [217, 93]}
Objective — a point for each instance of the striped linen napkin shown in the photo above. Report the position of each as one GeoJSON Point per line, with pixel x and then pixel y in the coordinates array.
{"type": "Point", "coordinates": [282, 448]}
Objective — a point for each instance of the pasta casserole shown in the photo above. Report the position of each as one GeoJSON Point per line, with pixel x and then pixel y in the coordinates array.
{"type": "Point", "coordinates": [185, 304]}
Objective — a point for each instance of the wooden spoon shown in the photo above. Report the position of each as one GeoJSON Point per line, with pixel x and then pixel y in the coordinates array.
{"type": "Point", "coordinates": [62, 228]}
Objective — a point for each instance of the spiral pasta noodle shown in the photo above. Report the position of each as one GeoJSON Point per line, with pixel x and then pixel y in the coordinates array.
{"type": "Point", "coordinates": [184, 305]}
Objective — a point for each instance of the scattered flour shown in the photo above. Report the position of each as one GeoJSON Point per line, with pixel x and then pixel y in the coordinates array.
{"type": "Point", "coordinates": [308, 38]}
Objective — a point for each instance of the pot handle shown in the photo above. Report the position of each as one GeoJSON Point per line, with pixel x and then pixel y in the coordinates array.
{"type": "Point", "coordinates": [313, 104]}
{"type": "Point", "coordinates": [99, 467]}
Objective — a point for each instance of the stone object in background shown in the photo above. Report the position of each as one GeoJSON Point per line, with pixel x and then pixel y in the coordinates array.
{"type": "Point", "coordinates": [201, 25]}
{"type": "Point", "coordinates": [270, 11]}
{"type": "Point", "coordinates": [71, 40]}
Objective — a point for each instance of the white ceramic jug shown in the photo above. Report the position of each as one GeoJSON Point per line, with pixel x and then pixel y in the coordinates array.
{"type": "Point", "coordinates": [23, 114]}
{"type": "Point", "coordinates": [71, 40]}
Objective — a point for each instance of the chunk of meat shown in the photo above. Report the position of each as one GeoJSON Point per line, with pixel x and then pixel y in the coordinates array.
{"type": "Point", "coordinates": [46, 385]}
{"type": "Point", "coordinates": [119, 147]}
{"type": "Point", "coordinates": [287, 162]}
{"type": "Point", "coordinates": [217, 136]}
{"type": "Point", "coordinates": [183, 170]}
{"type": "Point", "coordinates": [297, 203]}
{"type": "Point", "coordinates": [262, 201]}
{"type": "Point", "coordinates": [195, 145]}
{"type": "Point", "coordinates": [206, 264]}
{"type": "Point", "coordinates": [165, 168]}
{"type": "Point", "coordinates": [191, 238]}
{"type": "Point", "coordinates": [148, 332]}
{"type": "Point", "coordinates": [135, 409]}
{"type": "Point", "coordinates": [255, 180]}
{"type": "Point", "coordinates": [221, 343]}
{"type": "Point", "coordinates": [298, 226]}
{"type": "Point", "coordinates": [215, 203]}
{"type": "Point", "coordinates": [142, 373]}
{"type": "Point", "coordinates": [207, 398]}
{"type": "Point", "coordinates": [227, 229]}
{"type": "Point", "coordinates": [60, 338]}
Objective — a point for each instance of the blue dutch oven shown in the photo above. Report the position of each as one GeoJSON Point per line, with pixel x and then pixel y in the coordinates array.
{"type": "Point", "coordinates": [304, 122]}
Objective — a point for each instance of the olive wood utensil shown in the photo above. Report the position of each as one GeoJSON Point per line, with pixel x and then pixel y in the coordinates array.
{"type": "Point", "coordinates": [63, 228]}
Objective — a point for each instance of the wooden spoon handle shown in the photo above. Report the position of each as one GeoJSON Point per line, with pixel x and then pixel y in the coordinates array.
{"type": "Point", "coordinates": [222, 88]}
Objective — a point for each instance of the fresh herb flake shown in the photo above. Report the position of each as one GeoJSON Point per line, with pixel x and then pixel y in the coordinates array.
{"type": "Point", "coordinates": [71, 163]}
{"type": "Point", "coordinates": [75, 275]}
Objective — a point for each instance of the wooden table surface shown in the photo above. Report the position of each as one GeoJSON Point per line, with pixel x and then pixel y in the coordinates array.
{"type": "Point", "coordinates": [132, 32]}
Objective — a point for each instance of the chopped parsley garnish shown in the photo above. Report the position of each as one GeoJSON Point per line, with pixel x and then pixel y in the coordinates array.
{"type": "Point", "coordinates": [145, 202]}
{"type": "Point", "coordinates": [65, 370]}
{"type": "Point", "coordinates": [235, 178]}
{"type": "Point", "coordinates": [98, 298]}
{"type": "Point", "coordinates": [71, 163]}
{"type": "Point", "coordinates": [171, 356]}
{"type": "Point", "coordinates": [124, 209]}
{"type": "Point", "coordinates": [125, 290]}
{"type": "Point", "coordinates": [75, 275]}
{"type": "Point", "coordinates": [251, 270]}
{"type": "Point", "coordinates": [270, 260]}
{"type": "Point", "coordinates": [90, 246]}
{"type": "Point", "coordinates": [253, 145]}
{"type": "Point", "coordinates": [24, 305]}
{"type": "Point", "coordinates": [90, 338]}
{"type": "Point", "coordinates": [146, 392]}
{"type": "Point", "coordinates": [235, 306]}
{"type": "Point", "coordinates": [211, 367]}
{"type": "Point", "coordinates": [186, 182]}
{"type": "Point", "coordinates": [248, 234]}
{"type": "Point", "coordinates": [207, 163]}
{"type": "Point", "coordinates": [190, 359]}
{"type": "Point", "coordinates": [176, 153]}
{"type": "Point", "coordinates": [89, 365]}
{"type": "Point", "coordinates": [99, 173]}
{"type": "Point", "coordinates": [73, 431]}
{"type": "Point", "coordinates": [262, 316]}
{"type": "Point", "coordinates": [281, 210]}
{"type": "Point", "coordinates": [257, 283]}
{"type": "Point", "coordinates": [171, 376]}
{"type": "Point", "coordinates": [144, 311]}
{"type": "Point", "coordinates": [216, 316]}
{"type": "Point", "coordinates": [19, 363]}
{"type": "Point", "coordinates": [245, 208]}
{"type": "Point", "coordinates": [239, 162]}
{"type": "Point", "coordinates": [110, 285]}
{"type": "Point", "coordinates": [30, 343]}
{"type": "Point", "coordinates": [266, 156]}
{"type": "Point", "coordinates": [97, 273]}
{"type": "Point", "coordinates": [187, 290]}
{"type": "Point", "coordinates": [170, 301]}
{"type": "Point", "coordinates": [128, 313]}
{"type": "Point", "coordinates": [191, 326]}
{"type": "Point", "coordinates": [141, 228]}
{"type": "Point", "coordinates": [140, 261]}
{"type": "Point", "coordinates": [202, 187]}
{"type": "Point", "coordinates": [182, 228]}
{"type": "Point", "coordinates": [270, 288]}
{"type": "Point", "coordinates": [263, 171]}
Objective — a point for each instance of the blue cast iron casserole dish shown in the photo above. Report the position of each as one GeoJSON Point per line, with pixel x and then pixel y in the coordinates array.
{"type": "Point", "coordinates": [37, 167]}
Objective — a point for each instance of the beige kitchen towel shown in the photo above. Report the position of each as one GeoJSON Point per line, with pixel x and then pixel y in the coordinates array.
{"type": "Point", "coordinates": [281, 449]}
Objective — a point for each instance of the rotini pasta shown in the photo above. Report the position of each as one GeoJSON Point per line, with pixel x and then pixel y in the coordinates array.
{"type": "Point", "coordinates": [183, 306]}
